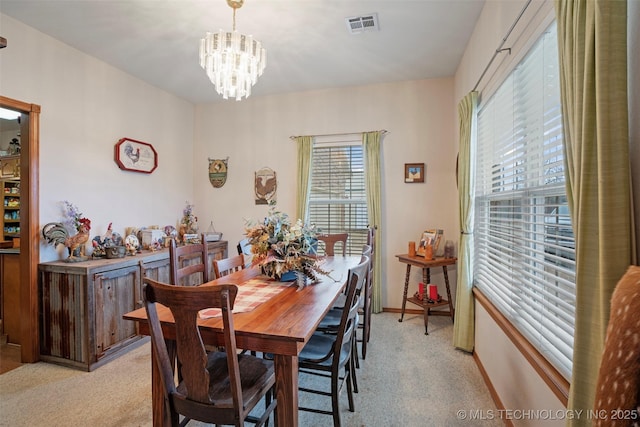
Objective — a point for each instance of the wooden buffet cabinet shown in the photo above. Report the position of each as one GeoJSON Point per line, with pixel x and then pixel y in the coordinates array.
{"type": "Point", "coordinates": [81, 305]}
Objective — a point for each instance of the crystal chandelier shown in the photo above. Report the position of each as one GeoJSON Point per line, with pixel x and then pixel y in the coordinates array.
{"type": "Point", "coordinates": [233, 62]}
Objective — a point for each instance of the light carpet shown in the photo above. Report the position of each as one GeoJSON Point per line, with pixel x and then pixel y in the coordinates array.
{"type": "Point", "coordinates": [408, 379]}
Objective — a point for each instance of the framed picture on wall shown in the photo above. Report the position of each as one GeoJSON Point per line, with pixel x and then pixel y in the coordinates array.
{"type": "Point", "coordinates": [414, 173]}
{"type": "Point", "coordinates": [135, 156]}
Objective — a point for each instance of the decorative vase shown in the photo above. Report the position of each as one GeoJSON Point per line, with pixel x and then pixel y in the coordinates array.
{"type": "Point", "coordinates": [289, 276]}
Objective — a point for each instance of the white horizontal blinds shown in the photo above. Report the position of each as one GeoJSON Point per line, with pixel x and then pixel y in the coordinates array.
{"type": "Point", "coordinates": [337, 198]}
{"type": "Point", "coordinates": [525, 249]}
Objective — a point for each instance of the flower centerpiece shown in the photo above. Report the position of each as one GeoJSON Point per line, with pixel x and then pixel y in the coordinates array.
{"type": "Point", "coordinates": [280, 248]}
{"type": "Point", "coordinates": [188, 225]}
{"type": "Point", "coordinates": [189, 220]}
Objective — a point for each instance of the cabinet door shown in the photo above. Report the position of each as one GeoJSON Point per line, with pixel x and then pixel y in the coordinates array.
{"type": "Point", "coordinates": [157, 270]}
{"type": "Point", "coordinates": [115, 293]}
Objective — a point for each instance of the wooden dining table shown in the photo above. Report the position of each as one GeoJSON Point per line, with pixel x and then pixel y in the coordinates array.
{"type": "Point", "coordinates": [280, 326]}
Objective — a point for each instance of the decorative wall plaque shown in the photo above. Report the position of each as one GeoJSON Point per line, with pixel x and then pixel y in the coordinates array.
{"type": "Point", "coordinates": [136, 156]}
{"type": "Point", "coordinates": [218, 171]}
{"type": "Point", "coordinates": [266, 184]}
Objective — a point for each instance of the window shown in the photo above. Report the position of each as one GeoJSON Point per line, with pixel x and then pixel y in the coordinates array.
{"type": "Point", "coordinates": [525, 248]}
{"type": "Point", "coordinates": [337, 197]}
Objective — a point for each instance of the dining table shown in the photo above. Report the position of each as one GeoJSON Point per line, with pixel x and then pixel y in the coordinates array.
{"type": "Point", "coordinates": [281, 326]}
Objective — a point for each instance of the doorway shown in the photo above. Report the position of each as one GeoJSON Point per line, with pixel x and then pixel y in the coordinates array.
{"type": "Point", "coordinates": [29, 256]}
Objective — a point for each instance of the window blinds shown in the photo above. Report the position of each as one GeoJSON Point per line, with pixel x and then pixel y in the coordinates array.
{"type": "Point", "coordinates": [525, 248]}
{"type": "Point", "coordinates": [337, 197]}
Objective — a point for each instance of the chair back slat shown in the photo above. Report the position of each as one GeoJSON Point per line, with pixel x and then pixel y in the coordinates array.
{"type": "Point", "coordinates": [188, 264]}
{"type": "Point", "coordinates": [331, 240]}
{"type": "Point", "coordinates": [223, 267]}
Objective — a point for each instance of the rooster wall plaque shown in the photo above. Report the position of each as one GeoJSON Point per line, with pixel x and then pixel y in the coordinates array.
{"type": "Point", "coordinates": [266, 185]}
{"type": "Point", "coordinates": [136, 156]}
{"type": "Point", "coordinates": [218, 171]}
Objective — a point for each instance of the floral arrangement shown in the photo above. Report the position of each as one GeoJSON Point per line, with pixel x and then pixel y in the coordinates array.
{"type": "Point", "coordinates": [189, 220]}
{"type": "Point", "coordinates": [280, 247]}
{"type": "Point", "coordinates": [73, 219]}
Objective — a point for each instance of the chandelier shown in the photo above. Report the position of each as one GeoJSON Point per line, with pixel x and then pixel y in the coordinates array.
{"type": "Point", "coordinates": [233, 62]}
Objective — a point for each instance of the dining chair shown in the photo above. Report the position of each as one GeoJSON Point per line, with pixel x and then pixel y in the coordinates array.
{"type": "Point", "coordinates": [220, 387]}
{"type": "Point", "coordinates": [329, 355]}
{"type": "Point", "coordinates": [367, 310]}
{"type": "Point", "coordinates": [330, 241]}
{"type": "Point", "coordinates": [186, 261]}
{"type": "Point", "coordinates": [222, 267]}
{"type": "Point", "coordinates": [331, 321]}
{"type": "Point", "coordinates": [244, 247]}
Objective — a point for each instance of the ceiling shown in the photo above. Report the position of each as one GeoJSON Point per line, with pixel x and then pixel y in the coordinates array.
{"type": "Point", "coordinates": [308, 43]}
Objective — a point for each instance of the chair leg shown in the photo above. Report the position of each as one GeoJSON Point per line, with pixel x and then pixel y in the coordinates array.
{"type": "Point", "coordinates": [365, 334]}
{"type": "Point", "coordinates": [353, 364]}
{"type": "Point", "coordinates": [348, 370]}
{"type": "Point", "coordinates": [335, 401]}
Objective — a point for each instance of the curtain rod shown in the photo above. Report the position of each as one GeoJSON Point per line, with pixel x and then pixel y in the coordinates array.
{"type": "Point", "coordinates": [500, 49]}
{"type": "Point", "coordinates": [384, 131]}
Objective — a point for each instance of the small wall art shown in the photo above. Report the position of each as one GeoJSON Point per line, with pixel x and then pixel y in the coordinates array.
{"type": "Point", "coordinates": [135, 156]}
{"type": "Point", "coordinates": [218, 171]}
{"type": "Point", "coordinates": [414, 173]}
{"type": "Point", "coordinates": [265, 186]}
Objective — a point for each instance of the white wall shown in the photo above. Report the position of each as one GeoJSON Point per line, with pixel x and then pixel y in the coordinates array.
{"type": "Point", "coordinates": [87, 106]}
{"type": "Point", "coordinates": [502, 361]}
{"type": "Point", "coordinates": [255, 133]}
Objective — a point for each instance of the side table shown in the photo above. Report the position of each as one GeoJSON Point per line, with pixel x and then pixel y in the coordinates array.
{"type": "Point", "coordinates": [426, 277]}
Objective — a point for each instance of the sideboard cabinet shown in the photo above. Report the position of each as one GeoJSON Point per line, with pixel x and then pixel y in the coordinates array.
{"type": "Point", "coordinates": [82, 304]}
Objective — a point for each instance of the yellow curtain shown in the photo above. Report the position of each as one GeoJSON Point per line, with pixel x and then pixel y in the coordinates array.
{"type": "Point", "coordinates": [464, 326]}
{"type": "Point", "coordinates": [371, 145]}
{"type": "Point", "coordinates": [305, 146]}
{"type": "Point", "coordinates": [592, 42]}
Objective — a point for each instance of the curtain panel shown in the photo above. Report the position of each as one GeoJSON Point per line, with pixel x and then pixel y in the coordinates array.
{"type": "Point", "coordinates": [305, 148]}
{"type": "Point", "coordinates": [464, 326]}
{"type": "Point", "coordinates": [371, 144]}
{"type": "Point", "coordinates": [592, 44]}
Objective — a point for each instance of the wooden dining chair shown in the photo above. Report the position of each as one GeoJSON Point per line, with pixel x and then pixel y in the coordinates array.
{"type": "Point", "coordinates": [244, 249]}
{"type": "Point", "coordinates": [330, 241]}
{"type": "Point", "coordinates": [367, 309]}
{"type": "Point", "coordinates": [331, 321]}
{"type": "Point", "coordinates": [331, 355]}
{"type": "Point", "coordinates": [222, 267]}
{"type": "Point", "coordinates": [188, 264]}
{"type": "Point", "coordinates": [220, 387]}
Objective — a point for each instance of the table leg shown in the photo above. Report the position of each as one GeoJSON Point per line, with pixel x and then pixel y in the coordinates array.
{"type": "Point", "coordinates": [446, 282]}
{"type": "Point", "coordinates": [426, 278]}
{"type": "Point", "coordinates": [406, 288]}
{"type": "Point", "coordinates": [286, 368]}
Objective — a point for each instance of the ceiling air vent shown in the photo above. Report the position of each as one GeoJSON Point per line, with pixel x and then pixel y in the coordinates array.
{"type": "Point", "coordinates": [360, 24]}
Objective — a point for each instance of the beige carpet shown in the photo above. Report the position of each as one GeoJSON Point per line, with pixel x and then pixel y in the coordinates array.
{"type": "Point", "coordinates": [408, 379]}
